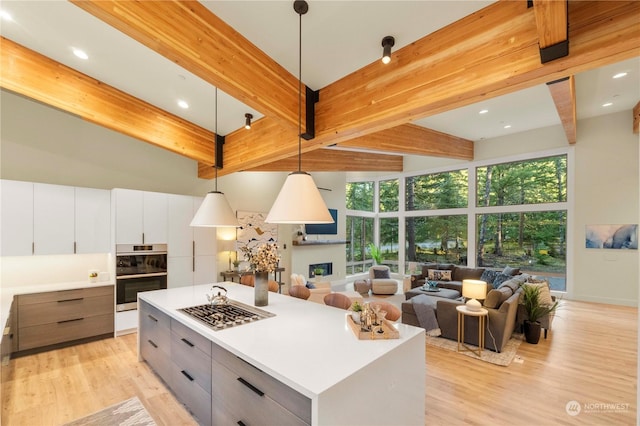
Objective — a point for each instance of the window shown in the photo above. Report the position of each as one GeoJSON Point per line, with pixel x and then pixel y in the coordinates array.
{"type": "Point", "coordinates": [441, 239]}
{"type": "Point", "coordinates": [389, 245]}
{"type": "Point", "coordinates": [359, 236]}
{"type": "Point", "coordinates": [388, 195]}
{"type": "Point", "coordinates": [360, 196]}
{"type": "Point", "coordinates": [437, 191]}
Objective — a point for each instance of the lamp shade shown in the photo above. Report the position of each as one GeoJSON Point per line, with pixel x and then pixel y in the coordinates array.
{"type": "Point", "coordinates": [299, 201]}
{"type": "Point", "coordinates": [474, 289]}
{"type": "Point", "coordinates": [215, 211]}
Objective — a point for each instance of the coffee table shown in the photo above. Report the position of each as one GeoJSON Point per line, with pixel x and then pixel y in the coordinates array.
{"type": "Point", "coordinates": [447, 293]}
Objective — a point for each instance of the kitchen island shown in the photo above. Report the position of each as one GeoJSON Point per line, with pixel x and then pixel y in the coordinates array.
{"type": "Point", "coordinates": [302, 366]}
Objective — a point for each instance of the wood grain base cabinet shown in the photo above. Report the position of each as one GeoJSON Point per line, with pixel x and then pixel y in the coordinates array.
{"type": "Point", "coordinates": [56, 317]}
{"type": "Point", "coordinates": [155, 340]}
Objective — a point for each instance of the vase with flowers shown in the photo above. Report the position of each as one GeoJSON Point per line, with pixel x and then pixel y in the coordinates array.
{"type": "Point", "coordinates": [265, 260]}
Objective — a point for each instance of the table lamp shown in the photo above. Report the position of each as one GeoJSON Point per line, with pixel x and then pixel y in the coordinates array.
{"type": "Point", "coordinates": [474, 290]}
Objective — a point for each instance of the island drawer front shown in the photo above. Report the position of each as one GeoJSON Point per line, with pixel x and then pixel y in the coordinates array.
{"type": "Point", "coordinates": [55, 296]}
{"type": "Point", "coordinates": [235, 400]}
{"type": "Point", "coordinates": [292, 400]}
{"type": "Point", "coordinates": [191, 337]}
{"type": "Point", "coordinates": [155, 325]}
{"type": "Point", "coordinates": [65, 309]}
{"type": "Point", "coordinates": [58, 332]}
{"type": "Point", "coordinates": [195, 363]}
{"type": "Point", "coordinates": [197, 401]}
{"type": "Point", "coordinates": [157, 358]}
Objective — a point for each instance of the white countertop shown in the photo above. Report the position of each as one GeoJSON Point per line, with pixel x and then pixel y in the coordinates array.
{"type": "Point", "coordinates": [7, 293]}
{"type": "Point", "coordinates": [307, 346]}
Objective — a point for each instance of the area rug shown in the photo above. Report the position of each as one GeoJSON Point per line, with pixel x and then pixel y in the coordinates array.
{"type": "Point", "coordinates": [503, 358]}
{"type": "Point", "coordinates": [126, 413]}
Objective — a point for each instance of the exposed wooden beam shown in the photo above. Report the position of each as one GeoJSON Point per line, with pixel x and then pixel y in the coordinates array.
{"type": "Point", "coordinates": [552, 21]}
{"type": "Point", "coordinates": [187, 33]}
{"type": "Point", "coordinates": [636, 118]}
{"type": "Point", "coordinates": [415, 140]}
{"type": "Point", "coordinates": [563, 93]}
{"type": "Point", "coordinates": [33, 75]}
{"type": "Point", "coordinates": [325, 160]}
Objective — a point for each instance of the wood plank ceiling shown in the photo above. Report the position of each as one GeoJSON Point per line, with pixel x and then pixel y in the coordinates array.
{"type": "Point", "coordinates": [492, 52]}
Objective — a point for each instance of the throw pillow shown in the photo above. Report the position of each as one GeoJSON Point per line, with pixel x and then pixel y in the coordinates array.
{"type": "Point", "coordinates": [311, 285]}
{"type": "Point", "coordinates": [508, 270]}
{"type": "Point", "coordinates": [381, 273]}
{"type": "Point", "coordinates": [493, 299]}
{"type": "Point", "coordinates": [439, 275]}
{"type": "Point", "coordinates": [499, 279]}
{"type": "Point", "coordinates": [489, 275]}
{"type": "Point", "coordinates": [545, 293]}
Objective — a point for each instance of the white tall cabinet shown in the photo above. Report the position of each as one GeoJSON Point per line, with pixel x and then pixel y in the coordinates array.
{"type": "Point", "coordinates": [140, 217]}
{"type": "Point", "coordinates": [43, 219]}
{"type": "Point", "coordinates": [192, 251]}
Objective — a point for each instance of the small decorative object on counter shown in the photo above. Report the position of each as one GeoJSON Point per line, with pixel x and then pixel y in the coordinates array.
{"type": "Point", "coordinates": [265, 261]}
{"type": "Point", "coordinates": [93, 276]}
{"type": "Point", "coordinates": [356, 312]}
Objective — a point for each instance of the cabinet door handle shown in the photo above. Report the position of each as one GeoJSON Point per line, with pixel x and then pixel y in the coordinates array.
{"type": "Point", "coordinates": [152, 318]}
{"type": "Point", "coordinates": [187, 342]}
{"type": "Point", "coordinates": [70, 320]}
{"type": "Point", "coordinates": [241, 423]}
{"type": "Point", "coordinates": [143, 238]}
{"type": "Point", "coordinates": [152, 343]}
{"type": "Point", "coordinates": [71, 300]}
{"type": "Point", "coordinates": [33, 247]}
{"type": "Point", "coordinates": [74, 247]}
{"type": "Point", "coordinates": [187, 375]}
{"type": "Point", "coordinates": [250, 386]}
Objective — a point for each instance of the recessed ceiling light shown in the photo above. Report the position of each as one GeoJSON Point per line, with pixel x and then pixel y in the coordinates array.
{"type": "Point", "coordinates": [508, 126]}
{"type": "Point", "coordinates": [620, 75]}
{"type": "Point", "coordinates": [483, 111]}
{"type": "Point", "coordinates": [607, 104]}
{"type": "Point", "coordinates": [5, 15]}
{"type": "Point", "coordinates": [80, 53]}
{"type": "Point", "coordinates": [183, 104]}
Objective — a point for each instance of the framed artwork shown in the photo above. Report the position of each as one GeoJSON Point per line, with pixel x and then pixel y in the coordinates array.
{"type": "Point", "coordinates": [611, 236]}
{"type": "Point", "coordinates": [254, 231]}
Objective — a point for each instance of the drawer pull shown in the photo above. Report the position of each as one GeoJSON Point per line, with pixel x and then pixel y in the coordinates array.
{"type": "Point", "coordinates": [71, 300]}
{"type": "Point", "coordinates": [187, 342]}
{"type": "Point", "coordinates": [250, 386]}
{"type": "Point", "coordinates": [152, 343]}
{"type": "Point", "coordinates": [70, 320]}
{"type": "Point", "coordinates": [241, 423]}
{"type": "Point", "coordinates": [187, 375]}
{"type": "Point", "coordinates": [152, 318]}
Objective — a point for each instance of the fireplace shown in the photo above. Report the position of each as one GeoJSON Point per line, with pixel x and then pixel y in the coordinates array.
{"type": "Point", "coordinates": [327, 268]}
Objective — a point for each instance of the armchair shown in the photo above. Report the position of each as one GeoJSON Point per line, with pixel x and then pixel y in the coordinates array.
{"type": "Point", "coordinates": [381, 281]}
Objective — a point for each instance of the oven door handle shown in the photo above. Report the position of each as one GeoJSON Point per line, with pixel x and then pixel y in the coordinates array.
{"type": "Point", "coordinates": [155, 274]}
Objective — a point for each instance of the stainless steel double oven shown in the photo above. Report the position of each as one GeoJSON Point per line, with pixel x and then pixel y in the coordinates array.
{"type": "Point", "coordinates": [139, 268]}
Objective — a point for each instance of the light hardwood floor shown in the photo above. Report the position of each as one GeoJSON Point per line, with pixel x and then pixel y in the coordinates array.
{"type": "Point", "coordinates": [589, 357]}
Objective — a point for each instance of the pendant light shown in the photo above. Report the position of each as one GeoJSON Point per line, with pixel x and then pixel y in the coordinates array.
{"type": "Point", "coordinates": [215, 210]}
{"type": "Point", "coordinates": [299, 200]}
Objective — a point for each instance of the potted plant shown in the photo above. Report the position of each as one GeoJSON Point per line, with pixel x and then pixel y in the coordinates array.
{"type": "Point", "coordinates": [318, 272]}
{"type": "Point", "coordinates": [534, 310]}
{"type": "Point", "coordinates": [375, 253]}
{"type": "Point", "coordinates": [236, 265]}
{"type": "Point", "coordinates": [356, 308]}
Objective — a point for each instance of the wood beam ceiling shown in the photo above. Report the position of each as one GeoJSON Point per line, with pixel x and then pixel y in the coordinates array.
{"type": "Point", "coordinates": [489, 53]}
{"type": "Point", "coordinates": [563, 93]}
{"type": "Point", "coordinates": [552, 21]}
{"type": "Point", "coordinates": [33, 75]}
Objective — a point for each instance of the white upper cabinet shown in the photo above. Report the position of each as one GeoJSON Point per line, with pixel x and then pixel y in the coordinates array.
{"type": "Point", "coordinates": [93, 220]}
{"type": "Point", "coordinates": [53, 219]}
{"type": "Point", "coordinates": [16, 218]}
{"type": "Point", "coordinates": [140, 217]}
{"type": "Point", "coordinates": [47, 219]}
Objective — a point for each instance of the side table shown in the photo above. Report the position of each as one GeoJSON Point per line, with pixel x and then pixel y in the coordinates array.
{"type": "Point", "coordinates": [482, 316]}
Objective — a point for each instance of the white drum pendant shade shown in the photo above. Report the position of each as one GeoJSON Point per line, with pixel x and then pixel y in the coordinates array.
{"type": "Point", "coordinates": [215, 211]}
{"type": "Point", "coordinates": [299, 201]}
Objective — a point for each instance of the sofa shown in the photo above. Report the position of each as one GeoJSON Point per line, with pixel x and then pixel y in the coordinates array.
{"type": "Point", "coordinates": [448, 275]}
{"type": "Point", "coordinates": [501, 304]}
{"type": "Point", "coordinates": [317, 289]}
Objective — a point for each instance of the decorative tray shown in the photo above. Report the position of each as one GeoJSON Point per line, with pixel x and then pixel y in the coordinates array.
{"type": "Point", "coordinates": [388, 331]}
{"type": "Point", "coordinates": [430, 289]}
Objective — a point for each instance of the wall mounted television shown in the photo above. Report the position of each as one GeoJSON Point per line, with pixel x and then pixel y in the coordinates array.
{"type": "Point", "coordinates": [324, 228]}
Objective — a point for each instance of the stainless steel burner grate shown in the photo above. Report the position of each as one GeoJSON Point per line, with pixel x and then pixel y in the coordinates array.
{"type": "Point", "coordinates": [219, 317]}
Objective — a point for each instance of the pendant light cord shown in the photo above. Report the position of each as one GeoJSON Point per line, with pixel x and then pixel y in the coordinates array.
{"type": "Point", "coordinates": [215, 140]}
{"type": "Point", "coordinates": [300, 94]}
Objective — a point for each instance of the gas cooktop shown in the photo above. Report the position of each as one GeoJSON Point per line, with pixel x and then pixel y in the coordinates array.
{"type": "Point", "coordinates": [233, 313]}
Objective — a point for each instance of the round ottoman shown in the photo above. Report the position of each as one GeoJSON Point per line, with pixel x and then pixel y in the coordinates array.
{"type": "Point", "coordinates": [362, 286]}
